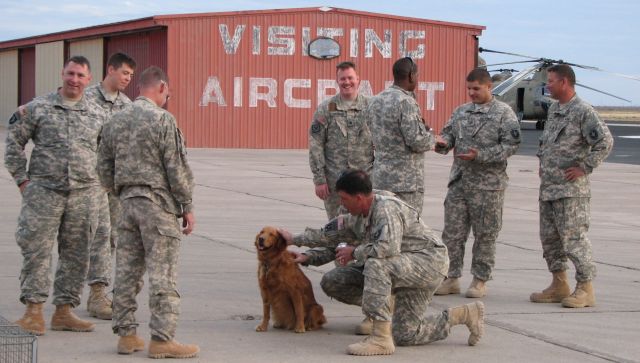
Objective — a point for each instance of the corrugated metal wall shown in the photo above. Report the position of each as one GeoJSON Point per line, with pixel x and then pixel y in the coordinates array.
{"type": "Point", "coordinates": [245, 81]}
{"type": "Point", "coordinates": [49, 62]}
{"type": "Point", "coordinates": [9, 82]}
{"type": "Point", "coordinates": [26, 75]}
{"type": "Point", "coordinates": [147, 48]}
{"type": "Point", "coordinates": [93, 50]}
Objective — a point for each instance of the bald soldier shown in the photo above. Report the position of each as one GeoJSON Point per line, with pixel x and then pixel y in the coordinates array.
{"type": "Point", "coordinates": [60, 190]}
{"type": "Point", "coordinates": [400, 136]}
{"type": "Point", "coordinates": [109, 95]}
{"type": "Point", "coordinates": [143, 160]}
{"type": "Point", "coordinates": [574, 142]}
{"type": "Point", "coordinates": [339, 137]}
{"type": "Point", "coordinates": [484, 133]}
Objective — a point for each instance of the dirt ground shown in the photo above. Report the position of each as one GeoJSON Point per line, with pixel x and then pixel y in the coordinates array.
{"type": "Point", "coordinates": [612, 113]}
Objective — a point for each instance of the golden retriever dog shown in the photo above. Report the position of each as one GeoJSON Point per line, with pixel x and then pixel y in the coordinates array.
{"type": "Point", "coordinates": [285, 289]}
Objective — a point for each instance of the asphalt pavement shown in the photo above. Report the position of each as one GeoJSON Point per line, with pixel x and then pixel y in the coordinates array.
{"type": "Point", "coordinates": [240, 191]}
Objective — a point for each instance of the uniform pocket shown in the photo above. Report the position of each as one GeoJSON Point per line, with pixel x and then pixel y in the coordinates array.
{"type": "Point", "coordinates": [169, 231]}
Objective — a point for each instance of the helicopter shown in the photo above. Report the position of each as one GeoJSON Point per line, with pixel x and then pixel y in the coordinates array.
{"type": "Point", "coordinates": [525, 90]}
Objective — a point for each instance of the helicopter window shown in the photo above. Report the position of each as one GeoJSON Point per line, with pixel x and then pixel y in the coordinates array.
{"type": "Point", "coordinates": [543, 90]}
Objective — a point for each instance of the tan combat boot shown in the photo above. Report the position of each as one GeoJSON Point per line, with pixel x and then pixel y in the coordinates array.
{"type": "Point", "coordinates": [129, 344]}
{"type": "Point", "coordinates": [380, 342]}
{"type": "Point", "coordinates": [476, 289]}
{"type": "Point", "coordinates": [472, 315]}
{"type": "Point", "coordinates": [558, 290]}
{"type": "Point", "coordinates": [365, 327]}
{"type": "Point", "coordinates": [33, 320]}
{"type": "Point", "coordinates": [450, 285]}
{"type": "Point", "coordinates": [65, 319]}
{"type": "Point", "coordinates": [172, 349]}
{"type": "Point", "coordinates": [98, 304]}
{"type": "Point", "coordinates": [583, 296]}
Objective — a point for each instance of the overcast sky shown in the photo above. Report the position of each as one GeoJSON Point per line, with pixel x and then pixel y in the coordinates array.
{"type": "Point", "coordinates": [598, 33]}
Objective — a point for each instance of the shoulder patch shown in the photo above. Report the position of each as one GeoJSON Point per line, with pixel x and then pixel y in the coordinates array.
{"type": "Point", "coordinates": [594, 134]}
{"type": "Point", "coordinates": [321, 119]}
{"type": "Point", "coordinates": [515, 133]}
{"type": "Point", "coordinates": [376, 236]}
{"type": "Point", "coordinates": [332, 226]}
{"type": "Point", "coordinates": [315, 127]}
{"type": "Point", "coordinates": [14, 118]}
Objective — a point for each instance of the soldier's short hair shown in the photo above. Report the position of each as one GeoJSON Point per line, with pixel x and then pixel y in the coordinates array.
{"type": "Point", "coordinates": [345, 65]}
{"type": "Point", "coordinates": [151, 76]}
{"type": "Point", "coordinates": [403, 67]}
{"type": "Point", "coordinates": [118, 59]}
{"type": "Point", "coordinates": [564, 71]}
{"type": "Point", "coordinates": [353, 181]}
{"type": "Point", "coordinates": [78, 59]}
{"type": "Point", "coordinates": [481, 75]}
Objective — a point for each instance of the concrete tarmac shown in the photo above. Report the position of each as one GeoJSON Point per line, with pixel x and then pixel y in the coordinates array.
{"type": "Point", "coordinates": [239, 191]}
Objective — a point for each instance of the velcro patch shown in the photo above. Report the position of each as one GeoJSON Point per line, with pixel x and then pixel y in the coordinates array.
{"type": "Point", "coordinates": [332, 226]}
{"type": "Point", "coordinates": [315, 127]}
{"type": "Point", "coordinates": [377, 235]}
{"type": "Point", "coordinates": [594, 134]}
{"type": "Point", "coordinates": [332, 106]}
{"type": "Point", "coordinates": [14, 118]}
{"type": "Point", "coordinates": [515, 133]}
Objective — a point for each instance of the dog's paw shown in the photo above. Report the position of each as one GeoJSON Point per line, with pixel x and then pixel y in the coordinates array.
{"type": "Point", "coordinates": [262, 327]}
{"type": "Point", "coordinates": [300, 330]}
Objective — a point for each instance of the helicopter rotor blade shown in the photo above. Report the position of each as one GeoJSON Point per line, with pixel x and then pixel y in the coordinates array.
{"type": "Point", "coordinates": [635, 78]}
{"type": "Point", "coordinates": [481, 50]}
{"type": "Point", "coordinates": [517, 62]}
{"type": "Point", "coordinates": [603, 92]}
{"type": "Point", "coordinates": [513, 81]}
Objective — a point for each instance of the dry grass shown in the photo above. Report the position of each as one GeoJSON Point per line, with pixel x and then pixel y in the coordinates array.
{"type": "Point", "coordinates": [620, 114]}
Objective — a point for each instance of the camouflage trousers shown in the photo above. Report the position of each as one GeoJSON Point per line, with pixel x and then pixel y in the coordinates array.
{"type": "Point", "coordinates": [104, 244]}
{"type": "Point", "coordinates": [101, 248]}
{"type": "Point", "coordinates": [72, 217]}
{"type": "Point", "coordinates": [409, 279]}
{"type": "Point", "coordinates": [477, 210]}
{"type": "Point", "coordinates": [332, 204]}
{"type": "Point", "coordinates": [563, 231]}
{"type": "Point", "coordinates": [414, 199]}
{"type": "Point", "coordinates": [148, 240]}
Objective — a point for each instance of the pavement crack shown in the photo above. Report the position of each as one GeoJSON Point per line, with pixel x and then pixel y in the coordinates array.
{"type": "Point", "coordinates": [258, 196]}
{"type": "Point", "coordinates": [546, 339]}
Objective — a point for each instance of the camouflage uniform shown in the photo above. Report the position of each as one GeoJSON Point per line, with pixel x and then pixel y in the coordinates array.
{"type": "Point", "coordinates": [142, 159]}
{"type": "Point", "coordinates": [61, 197]}
{"type": "Point", "coordinates": [401, 256]}
{"type": "Point", "coordinates": [339, 139]}
{"type": "Point", "coordinates": [476, 187]}
{"type": "Point", "coordinates": [400, 138]}
{"type": "Point", "coordinates": [574, 135]}
{"type": "Point", "coordinates": [105, 241]}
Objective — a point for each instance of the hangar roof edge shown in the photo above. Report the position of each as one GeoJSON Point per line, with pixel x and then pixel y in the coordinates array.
{"type": "Point", "coordinates": [157, 21]}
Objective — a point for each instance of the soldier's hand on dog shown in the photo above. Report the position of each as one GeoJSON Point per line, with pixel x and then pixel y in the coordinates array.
{"type": "Point", "coordinates": [344, 254]}
{"type": "Point", "coordinates": [299, 257]}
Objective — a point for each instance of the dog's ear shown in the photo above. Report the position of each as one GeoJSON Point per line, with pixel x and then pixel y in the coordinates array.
{"type": "Point", "coordinates": [281, 243]}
